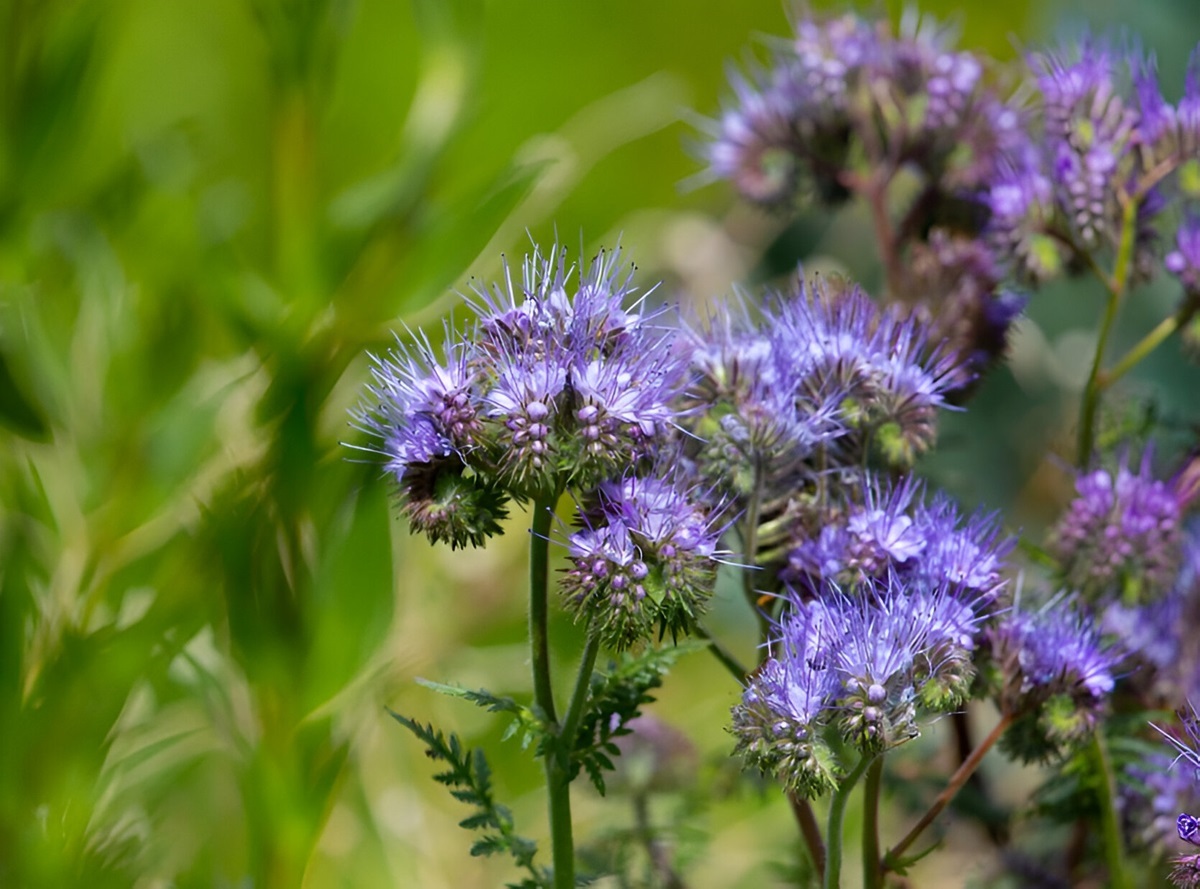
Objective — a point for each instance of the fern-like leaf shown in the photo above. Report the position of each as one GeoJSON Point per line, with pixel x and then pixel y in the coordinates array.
{"type": "Point", "coordinates": [469, 779]}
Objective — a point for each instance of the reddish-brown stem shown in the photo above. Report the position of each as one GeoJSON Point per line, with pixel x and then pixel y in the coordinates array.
{"type": "Point", "coordinates": [957, 780]}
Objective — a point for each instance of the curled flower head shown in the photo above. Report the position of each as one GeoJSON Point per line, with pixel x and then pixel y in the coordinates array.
{"type": "Point", "coordinates": [1055, 676]}
{"type": "Point", "coordinates": [560, 381]}
{"type": "Point", "coordinates": [644, 559]}
{"type": "Point", "coordinates": [881, 367]}
{"type": "Point", "coordinates": [895, 531]}
{"type": "Point", "coordinates": [1168, 131]}
{"type": "Point", "coordinates": [843, 83]}
{"type": "Point", "coordinates": [779, 721]}
{"type": "Point", "coordinates": [1121, 534]}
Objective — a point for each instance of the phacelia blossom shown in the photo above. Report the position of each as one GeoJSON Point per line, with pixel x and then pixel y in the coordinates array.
{"type": "Point", "coordinates": [895, 531]}
{"type": "Point", "coordinates": [843, 83]}
{"type": "Point", "coordinates": [889, 378]}
{"type": "Point", "coordinates": [643, 559]}
{"type": "Point", "coordinates": [1120, 536]}
{"type": "Point", "coordinates": [1089, 130]}
{"type": "Point", "coordinates": [1168, 131]}
{"type": "Point", "coordinates": [863, 664]}
{"type": "Point", "coordinates": [1055, 674]}
{"type": "Point", "coordinates": [1185, 744]}
{"type": "Point", "coordinates": [555, 383]}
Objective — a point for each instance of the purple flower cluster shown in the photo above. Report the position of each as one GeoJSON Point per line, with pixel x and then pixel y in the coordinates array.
{"type": "Point", "coordinates": [845, 107]}
{"type": "Point", "coordinates": [643, 559]}
{"type": "Point", "coordinates": [824, 372]}
{"type": "Point", "coordinates": [861, 665]}
{"type": "Point", "coordinates": [1184, 261]}
{"type": "Point", "coordinates": [843, 83]}
{"type": "Point", "coordinates": [1103, 146]}
{"type": "Point", "coordinates": [1055, 674]}
{"type": "Point", "coordinates": [894, 532]}
{"type": "Point", "coordinates": [546, 389]}
{"type": "Point", "coordinates": [1120, 536]}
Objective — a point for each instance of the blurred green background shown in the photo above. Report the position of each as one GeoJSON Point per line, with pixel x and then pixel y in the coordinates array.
{"type": "Point", "coordinates": [210, 210]}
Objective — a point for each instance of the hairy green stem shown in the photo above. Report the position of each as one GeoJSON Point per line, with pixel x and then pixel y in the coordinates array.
{"type": "Point", "coordinates": [957, 780]}
{"type": "Point", "coordinates": [1149, 343]}
{"type": "Point", "coordinates": [558, 776]}
{"type": "Point", "coordinates": [539, 606]}
{"type": "Point", "coordinates": [1116, 285]}
{"type": "Point", "coordinates": [1114, 845]}
{"type": "Point", "coordinates": [583, 684]}
{"type": "Point", "coordinates": [872, 866]}
{"type": "Point", "coordinates": [837, 815]}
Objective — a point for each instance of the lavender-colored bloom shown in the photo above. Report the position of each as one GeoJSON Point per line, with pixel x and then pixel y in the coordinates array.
{"type": "Point", "coordinates": [1151, 797]}
{"type": "Point", "coordinates": [644, 558]}
{"type": "Point", "coordinates": [1184, 261]}
{"type": "Point", "coordinates": [1089, 132]}
{"type": "Point", "coordinates": [1120, 536]}
{"type": "Point", "coordinates": [778, 722]}
{"type": "Point", "coordinates": [524, 403]}
{"type": "Point", "coordinates": [1056, 673]}
{"type": "Point", "coordinates": [895, 532]}
{"type": "Point", "coordinates": [888, 379]}
{"type": "Point", "coordinates": [1168, 132]}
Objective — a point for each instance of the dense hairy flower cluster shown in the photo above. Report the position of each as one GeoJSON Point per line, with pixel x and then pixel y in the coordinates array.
{"type": "Point", "coordinates": [1184, 261]}
{"type": "Point", "coordinates": [844, 82]}
{"type": "Point", "coordinates": [1120, 536]}
{"type": "Point", "coordinates": [894, 532]}
{"type": "Point", "coordinates": [1153, 795]}
{"type": "Point", "coordinates": [1054, 673]}
{"type": "Point", "coordinates": [545, 390]}
{"type": "Point", "coordinates": [643, 559]}
{"type": "Point", "coordinates": [847, 105]}
{"type": "Point", "coordinates": [859, 664]}
{"type": "Point", "coordinates": [1107, 139]}
{"type": "Point", "coordinates": [825, 371]}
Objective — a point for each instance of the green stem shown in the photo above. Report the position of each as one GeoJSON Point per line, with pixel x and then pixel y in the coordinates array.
{"type": "Point", "coordinates": [556, 758]}
{"type": "Point", "coordinates": [837, 815]}
{"type": "Point", "coordinates": [1114, 846]}
{"type": "Point", "coordinates": [1116, 290]}
{"type": "Point", "coordinates": [872, 865]}
{"type": "Point", "coordinates": [539, 606]}
{"type": "Point", "coordinates": [1149, 343]}
{"type": "Point", "coordinates": [583, 684]}
{"type": "Point", "coordinates": [957, 780]}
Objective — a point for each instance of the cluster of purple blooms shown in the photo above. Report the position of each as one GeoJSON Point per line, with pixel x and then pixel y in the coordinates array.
{"type": "Point", "coordinates": [548, 391]}
{"type": "Point", "coordinates": [798, 421]}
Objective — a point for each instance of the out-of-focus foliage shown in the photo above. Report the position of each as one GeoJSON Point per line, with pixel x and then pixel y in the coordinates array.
{"type": "Point", "coordinates": [209, 211]}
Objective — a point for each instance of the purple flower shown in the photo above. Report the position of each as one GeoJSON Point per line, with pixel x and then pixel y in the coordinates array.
{"type": "Point", "coordinates": [1089, 134]}
{"type": "Point", "coordinates": [787, 701]}
{"type": "Point", "coordinates": [1165, 131]}
{"type": "Point", "coordinates": [879, 366]}
{"type": "Point", "coordinates": [644, 558]}
{"type": "Point", "coordinates": [1184, 261]}
{"type": "Point", "coordinates": [1056, 673]}
{"type": "Point", "coordinates": [1120, 536]}
{"type": "Point", "coordinates": [895, 532]}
